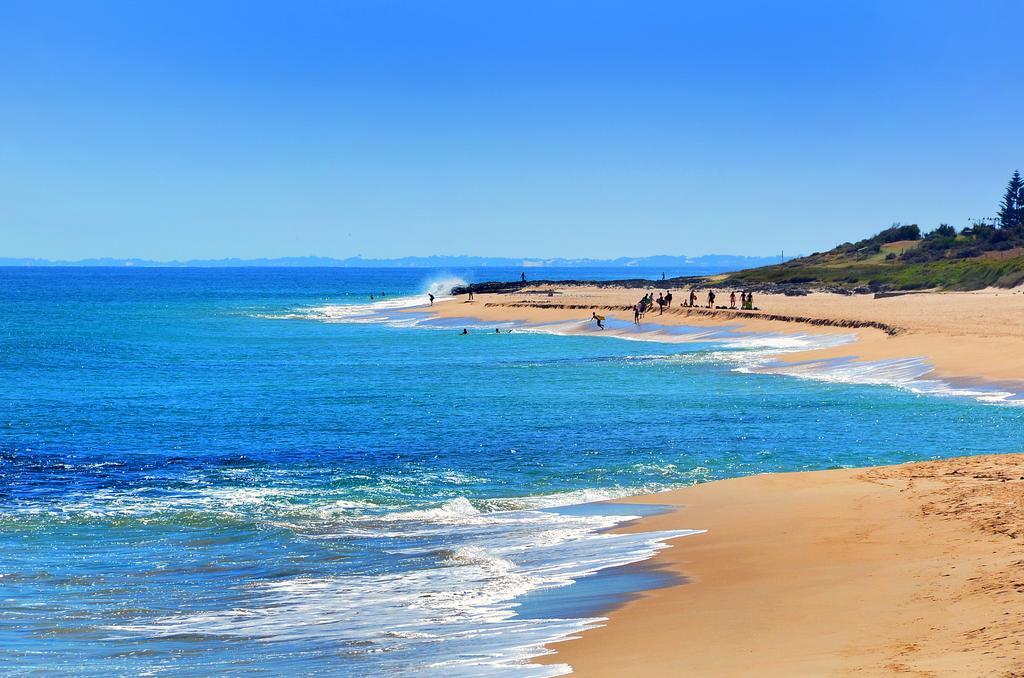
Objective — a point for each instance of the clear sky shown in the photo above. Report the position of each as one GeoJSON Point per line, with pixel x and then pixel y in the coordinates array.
{"type": "Point", "coordinates": [172, 130]}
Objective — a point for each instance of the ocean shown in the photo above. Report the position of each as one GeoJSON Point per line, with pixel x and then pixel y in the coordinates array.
{"type": "Point", "coordinates": [265, 471]}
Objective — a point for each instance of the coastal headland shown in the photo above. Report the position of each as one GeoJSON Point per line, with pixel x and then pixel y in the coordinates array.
{"type": "Point", "coordinates": [911, 570]}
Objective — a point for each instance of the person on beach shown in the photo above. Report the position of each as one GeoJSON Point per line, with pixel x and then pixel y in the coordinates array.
{"type": "Point", "coordinates": [711, 298]}
{"type": "Point", "coordinates": [598, 318]}
{"type": "Point", "coordinates": [522, 276]}
{"type": "Point", "coordinates": [636, 314]}
{"type": "Point", "coordinates": [431, 298]}
{"type": "Point", "coordinates": [470, 294]}
{"type": "Point", "coordinates": [750, 301]}
{"type": "Point", "coordinates": [732, 299]}
{"type": "Point", "coordinates": [661, 304]}
{"type": "Point", "coordinates": [668, 298]}
{"type": "Point", "coordinates": [693, 297]}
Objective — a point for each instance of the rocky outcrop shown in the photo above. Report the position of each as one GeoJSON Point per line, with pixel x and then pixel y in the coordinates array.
{"type": "Point", "coordinates": [725, 313]}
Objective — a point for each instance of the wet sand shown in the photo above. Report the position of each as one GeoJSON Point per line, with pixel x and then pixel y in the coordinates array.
{"type": "Point", "coordinates": [964, 336]}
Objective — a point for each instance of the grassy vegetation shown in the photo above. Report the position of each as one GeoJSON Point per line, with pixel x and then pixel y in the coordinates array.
{"type": "Point", "coordinates": [950, 274]}
{"type": "Point", "coordinates": [989, 252]}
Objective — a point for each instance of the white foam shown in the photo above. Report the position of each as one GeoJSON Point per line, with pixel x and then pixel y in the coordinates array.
{"type": "Point", "coordinates": [570, 498]}
{"type": "Point", "coordinates": [783, 343]}
{"type": "Point", "coordinates": [474, 556]}
{"type": "Point", "coordinates": [910, 374]}
{"type": "Point", "coordinates": [456, 510]}
{"type": "Point", "coordinates": [456, 616]}
{"type": "Point", "coordinates": [377, 311]}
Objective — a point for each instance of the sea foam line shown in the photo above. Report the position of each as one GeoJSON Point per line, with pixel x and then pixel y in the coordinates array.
{"type": "Point", "coordinates": [378, 311]}
{"type": "Point", "coordinates": [465, 601]}
{"type": "Point", "coordinates": [909, 374]}
{"type": "Point", "coordinates": [757, 353]}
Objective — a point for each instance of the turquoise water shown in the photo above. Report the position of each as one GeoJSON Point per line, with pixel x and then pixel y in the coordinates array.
{"type": "Point", "coordinates": [254, 470]}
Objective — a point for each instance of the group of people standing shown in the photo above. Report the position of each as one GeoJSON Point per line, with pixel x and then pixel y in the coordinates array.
{"type": "Point", "coordinates": [647, 303]}
{"type": "Point", "coordinates": [664, 300]}
{"type": "Point", "coordinates": [746, 300]}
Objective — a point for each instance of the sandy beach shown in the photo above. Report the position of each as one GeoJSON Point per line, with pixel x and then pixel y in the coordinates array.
{"type": "Point", "coordinates": [910, 569]}
{"type": "Point", "coordinates": [963, 335]}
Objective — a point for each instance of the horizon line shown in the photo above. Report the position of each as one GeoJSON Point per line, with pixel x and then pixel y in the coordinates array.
{"type": "Point", "coordinates": [359, 260]}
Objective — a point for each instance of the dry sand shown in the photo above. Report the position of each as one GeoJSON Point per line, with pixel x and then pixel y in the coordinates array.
{"type": "Point", "coordinates": [915, 569]}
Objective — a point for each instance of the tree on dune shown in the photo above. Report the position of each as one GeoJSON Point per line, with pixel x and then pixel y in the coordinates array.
{"type": "Point", "coordinates": [1011, 209]}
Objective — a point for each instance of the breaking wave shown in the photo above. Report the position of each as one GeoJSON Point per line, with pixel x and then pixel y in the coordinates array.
{"type": "Point", "coordinates": [749, 352]}
{"type": "Point", "coordinates": [377, 311]}
{"type": "Point", "coordinates": [472, 567]}
{"type": "Point", "coordinates": [909, 374]}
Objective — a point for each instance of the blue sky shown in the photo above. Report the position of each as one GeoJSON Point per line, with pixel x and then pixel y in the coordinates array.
{"type": "Point", "coordinates": [172, 130]}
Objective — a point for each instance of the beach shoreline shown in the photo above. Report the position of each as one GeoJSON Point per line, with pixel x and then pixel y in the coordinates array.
{"type": "Point", "coordinates": [872, 571]}
{"type": "Point", "coordinates": [967, 337]}
{"type": "Point", "coordinates": [877, 571]}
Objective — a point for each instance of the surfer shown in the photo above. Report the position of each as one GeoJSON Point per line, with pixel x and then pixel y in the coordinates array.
{"type": "Point", "coordinates": [431, 298]}
{"type": "Point", "coordinates": [598, 318]}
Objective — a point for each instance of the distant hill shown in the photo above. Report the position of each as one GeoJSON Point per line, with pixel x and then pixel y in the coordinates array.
{"type": "Point", "coordinates": [892, 261]}
{"type": "Point", "coordinates": [988, 253]}
{"type": "Point", "coordinates": [717, 261]}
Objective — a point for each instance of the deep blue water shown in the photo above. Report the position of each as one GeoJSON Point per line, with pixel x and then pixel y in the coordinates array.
{"type": "Point", "coordinates": [202, 472]}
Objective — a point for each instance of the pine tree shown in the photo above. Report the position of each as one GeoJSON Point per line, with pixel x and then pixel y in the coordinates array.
{"type": "Point", "coordinates": [1011, 209]}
